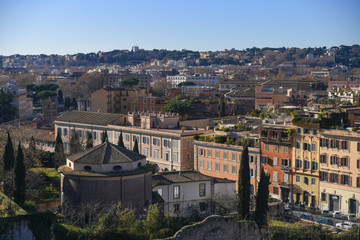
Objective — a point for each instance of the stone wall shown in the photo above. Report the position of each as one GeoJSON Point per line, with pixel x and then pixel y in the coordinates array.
{"type": "Point", "coordinates": [219, 228]}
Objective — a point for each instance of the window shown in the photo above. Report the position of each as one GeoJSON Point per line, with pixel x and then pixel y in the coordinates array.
{"type": "Point", "coordinates": [167, 156]}
{"type": "Point", "coordinates": [217, 166]}
{"type": "Point", "coordinates": [145, 140]}
{"type": "Point", "coordinates": [233, 169]}
{"type": "Point", "coordinates": [146, 152]}
{"type": "Point", "coordinates": [94, 135]}
{"type": "Point", "coordinates": [201, 152]}
{"type": "Point", "coordinates": [313, 147]}
{"type": "Point", "coordinates": [297, 163]}
{"type": "Point", "coordinates": [286, 177]}
{"type": "Point", "coordinates": [323, 176]}
{"type": "Point", "coordinates": [87, 168]}
{"type": "Point", "coordinates": [314, 166]}
{"type": "Point", "coordinates": [187, 143]}
{"type": "Point", "coordinates": [275, 176]}
{"type": "Point", "coordinates": [276, 148]}
{"type": "Point", "coordinates": [334, 160]}
{"type": "Point", "coordinates": [225, 168]}
{"type": "Point", "coordinates": [297, 178]}
{"type": "Point", "coordinates": [333, 177]}
{"type": "Point", "coordinates": [306, 130]}
{"type": "Point", "coordinates": [344, 145]}
{"type": "Point", "coordinates": [306, 146]}
{"type": "Point", "coordinates": [323, 158]}
{"type": "Point", "coordinates": [266, 146]}
{"type": "Point", "coordinates": [177, 208]}
{"type": "Point", "coordinates": [167, 143]}
{"type": "Point", "coordinates": [314, 131]}
{"type": "Point", "coordinates": [323, 197]}
{"type": "Point", "coordinates": [297, 145]}
{"type": "Point", "coordinates": [156, 142]}
{"type": "Point", "coordinates": [313, 181]}
{"type": "Point", "coordinates": [175, 144]}
{"type": "Point", "coordinates": [233, 156]}
{"type": "Point", "coordinates": [286, 149]}
{"type": "Point", "coordinates": [202, 189]}
{"type": "Point", "coordinates": [275, 161]}
{"type": "Point", "coordinates": [344, 162]}
{"type": "Point", "coordinates": [264, 159]}
{"type": "Point", "coordinates": [285, 162]}
{"type": "Point", "coordinates": [225, 155]}
{"type": "Point", "coordinates": [358, 164]}
{"type": "Point", "coordinates": [252, 159]}
{"type": "Point", "coordinates": [345, 179]}
{"type": "Point", "coordinates": [209, 153]}
{"type": "Point", "coordinates": [298, 130]}
{"type": "Point", "coordinates": [358, 146]}
{"type": "Point", "coordinates": [276, 190]}
{"type": "Point", "coordinates": [306, 180]}
{"type": "Point", "coordinates": [117, 168]}
{"type": "Point", "coordinates": [358, 182]}
{"type": "Point", "coordinates": [217, 154]}
{"type": "Point", "coordinates": [160, 191]}
{"type": "Point", "coordinates": [306, 164]}
{"type": "Point", "coordinates": [334, 144]}
{"type": "Point", "coordinates": [176, 192]}
{"type": "Point", "coordinates": [209, 165]}
{"type": "Point", "coordinates": [135, 138]}
{"type": "Point", "coordinates": [175, 157]}
{"type": "Point", "coordinates": [188, 157]}
{"type": "Point", "coordinates": [252, 171]}
{"type": "Point", "coordinates": [324, 142]}
{"type": "Point", "coordinates": [127, 137]}
{"type": "Point", "coordinates": [144, 101]}
{"type": "Point", "coordinates": [201, 164]}
{"type": "Point", "coordinates": [156, 153]}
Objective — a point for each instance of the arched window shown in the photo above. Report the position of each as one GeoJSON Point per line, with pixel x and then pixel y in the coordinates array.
{"type": "Point", "coordinates": [117, 168]}
{"type": "Point", "coordinates": [87, 168]}
{"type": "Point", "coordinates": [139, 164]}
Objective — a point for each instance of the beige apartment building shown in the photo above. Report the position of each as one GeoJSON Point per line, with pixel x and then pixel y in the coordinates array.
{"type": "Point", "coordinates": [160, 136]}
{"type": "Point", "coordinates": [340, 171]}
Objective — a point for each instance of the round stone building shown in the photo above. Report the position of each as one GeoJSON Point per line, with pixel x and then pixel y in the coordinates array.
{"type": "Point", "coordinates": [109, 174]}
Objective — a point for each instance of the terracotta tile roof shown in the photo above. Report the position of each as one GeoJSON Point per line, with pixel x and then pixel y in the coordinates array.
{"type": "Point", "coordinates": [167, 178]}
{"type": "Point", "coordinates": [90, 118]}
{"type": "Point", "coordinates": [106, 153]}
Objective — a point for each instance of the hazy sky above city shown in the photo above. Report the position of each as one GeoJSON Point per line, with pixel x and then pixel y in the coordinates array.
{"type": "Point", "coordinates": [72, 26]}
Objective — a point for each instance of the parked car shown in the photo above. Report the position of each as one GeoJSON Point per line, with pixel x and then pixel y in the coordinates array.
{"type": "Point", "coordinates": [325, 221]}
{"type": "Point", "coordinates": [352, 218]}
{"type": "Point", "coordinates": [344, 225]}
{"type": "Point", "coordinates": [325, 213]}
{"type": "Point", "coordinates": [337, 214]}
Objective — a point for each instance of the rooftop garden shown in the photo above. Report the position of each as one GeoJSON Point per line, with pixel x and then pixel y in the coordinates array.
{"type": "Point", "coordinates": [239, 141]}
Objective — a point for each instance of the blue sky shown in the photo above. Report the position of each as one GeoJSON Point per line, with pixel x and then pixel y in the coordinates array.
{"type": "Point", "coordinates": [72, 26]}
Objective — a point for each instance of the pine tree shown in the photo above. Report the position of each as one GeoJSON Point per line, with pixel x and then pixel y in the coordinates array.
{"type": "Point", "coordinates": [136, 146]}
{"type": "Point", "coordinates": [8, 162]}
{"type": "Point", "coordinates": [75, 145]}
{"type": "Point", "coordinates": [19, 177]}
{"type": "Point", "coordinates": [9, 156]}
{"type": "Point", "coordinates": [262, 196]}
{"type": "Point", "coordinates": [104, 137]}
{"type": "Point", "coordinates": [222, 112]}
{"type": "Point", "coordinates": [244, 185]}
{"type": "Point", "coordinates": [89, 141]}
{"type": "Point", "coordinates": [59, 157]}
{"type": "Point", "coordinates": [120, 141]}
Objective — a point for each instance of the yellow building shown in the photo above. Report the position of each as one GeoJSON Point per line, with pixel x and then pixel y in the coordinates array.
{"type": "Point", "coordinates": [305, 165]}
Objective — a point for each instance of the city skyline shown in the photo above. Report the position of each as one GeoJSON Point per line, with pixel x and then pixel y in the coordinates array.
{"type": "Point", "coordinates": [72, 27]}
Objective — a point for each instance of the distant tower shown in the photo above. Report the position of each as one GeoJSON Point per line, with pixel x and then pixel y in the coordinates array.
{"type": "Point", "coordinates": [135, 48]}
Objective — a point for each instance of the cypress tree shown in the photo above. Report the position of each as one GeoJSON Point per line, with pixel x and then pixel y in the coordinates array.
{"type": "Point", "coordinates": [19, 177]}
{"type": "Point", "coordinates": [136, 146]}
{"type": "Point", "coordinates": [222, 112]}
{"type": "Point", "coordinates": [120, 141]}
{"type": "Point", "coordinates": [262, 196]}
{"type": "Point", "coordinates": [89, 141]}
{"type": "Point", "coordinates": [59, 157]}
{"type": "Point", "coordinates": [8, 162]}
{"type": "Point", "coordinates": [9, 156]}
{"type": "Point", "coordinates": [75, 145]}
{"type": "Point", "coordinates": [105, 135]}
{"type": "Point", "coordinates": [244, 185]}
